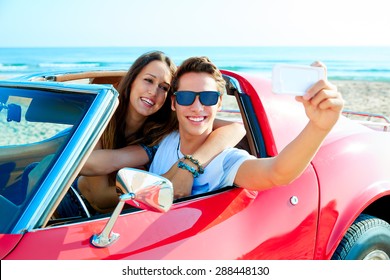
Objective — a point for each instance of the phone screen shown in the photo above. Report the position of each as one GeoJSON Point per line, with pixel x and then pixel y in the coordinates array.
{"type": "Point", "coordinates": [295, 79]}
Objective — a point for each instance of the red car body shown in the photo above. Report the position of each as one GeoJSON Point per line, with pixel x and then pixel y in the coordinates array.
{"type": "Point", "coordinates": [307, 219]}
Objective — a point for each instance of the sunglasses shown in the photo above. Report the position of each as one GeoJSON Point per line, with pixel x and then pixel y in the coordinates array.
{"type": "Point", "coordinates": [207, 98]}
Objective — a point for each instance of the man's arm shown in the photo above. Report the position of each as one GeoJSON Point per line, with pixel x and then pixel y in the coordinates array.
{"type": "Point", "coordinates": [323, 105]}
{"type": "Point", "coordinates": [265, 173]}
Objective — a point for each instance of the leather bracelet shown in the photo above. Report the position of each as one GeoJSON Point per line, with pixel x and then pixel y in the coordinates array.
{"type": "Point", "coordinates": [196, 162]}
{"type": "Point", "coordinates": [185, 166]}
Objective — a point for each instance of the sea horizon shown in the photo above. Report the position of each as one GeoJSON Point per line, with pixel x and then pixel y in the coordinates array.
{"type": "Point", "coordinates": [343, 62]}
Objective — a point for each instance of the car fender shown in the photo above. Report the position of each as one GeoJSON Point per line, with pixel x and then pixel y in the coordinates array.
{"type": "Point", "coordinates": [7, 243]}
{"type": "Point", "coordinates": [344, 195]}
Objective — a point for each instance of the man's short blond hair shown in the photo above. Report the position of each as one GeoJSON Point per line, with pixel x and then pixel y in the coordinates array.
{"type": "Point", "coordinates": [199, 64]}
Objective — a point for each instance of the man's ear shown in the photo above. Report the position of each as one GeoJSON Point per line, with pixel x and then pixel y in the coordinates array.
{"type": "Point", "coordinates": [173, 102]}
{"type": "Point", "coordinates": [219, 103]}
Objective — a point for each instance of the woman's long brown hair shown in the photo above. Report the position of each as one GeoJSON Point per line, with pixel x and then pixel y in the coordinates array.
{"type": "Point", "coordinates": [156, 126]}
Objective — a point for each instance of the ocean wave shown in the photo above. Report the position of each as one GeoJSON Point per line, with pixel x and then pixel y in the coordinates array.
{"type": "Point", "coordinates": [359, 78]}
{"type": "Point", "coordinates": [13, 67]}
{"type": "Point", "coordinates": [372, 70]}
{"type": "Point", "coordinates": [343, 63]}
{"type": "Point", "coordinates": [69, 65]}
{"type": "Point", "coordinates": [23, 68]}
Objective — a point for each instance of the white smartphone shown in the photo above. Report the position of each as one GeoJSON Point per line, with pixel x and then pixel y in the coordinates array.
{"type": "Point", "coordinates": [295, 79]}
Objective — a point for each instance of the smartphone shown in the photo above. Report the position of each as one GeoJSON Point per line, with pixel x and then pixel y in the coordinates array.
{"type": "Point", "coordinates": [295, 79]}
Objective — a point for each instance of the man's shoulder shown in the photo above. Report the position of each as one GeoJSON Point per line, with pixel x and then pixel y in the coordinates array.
{"type": "Point", "coordinates": [235, 151]}
{"type": "Point", "coordinates": [169, 141]}
{"type": "Point", "coordinates": [232, 156]}
{"type": "Point", "coordinates": [169, 137]}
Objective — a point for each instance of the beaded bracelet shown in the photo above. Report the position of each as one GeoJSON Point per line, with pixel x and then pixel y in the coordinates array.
{"type": "Point", "coordinates": [185, 166]}
{"type": "Point", "coordinates": [196, 162]}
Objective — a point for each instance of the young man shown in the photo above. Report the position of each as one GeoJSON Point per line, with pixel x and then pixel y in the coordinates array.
{"type": "Point", "coordinates": [198, 88]}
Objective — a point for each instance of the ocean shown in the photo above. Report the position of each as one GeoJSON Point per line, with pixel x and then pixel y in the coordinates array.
{"type": "Point", "coordinates": [344, 63]}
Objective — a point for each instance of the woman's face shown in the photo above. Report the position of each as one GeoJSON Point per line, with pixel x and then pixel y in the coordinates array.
{"type": "Point", "coordinates": [150, 88]}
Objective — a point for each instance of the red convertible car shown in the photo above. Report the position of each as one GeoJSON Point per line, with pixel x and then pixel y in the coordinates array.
{"type": "Point", "coordinates": [339, 208]}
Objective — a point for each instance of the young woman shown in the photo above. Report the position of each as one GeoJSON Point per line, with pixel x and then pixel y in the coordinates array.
{"type": "Point", "coordinates": [142, 119]}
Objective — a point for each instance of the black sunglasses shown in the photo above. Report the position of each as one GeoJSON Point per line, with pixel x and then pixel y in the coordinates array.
{"type": "Point", "coordinates": [186, 97]}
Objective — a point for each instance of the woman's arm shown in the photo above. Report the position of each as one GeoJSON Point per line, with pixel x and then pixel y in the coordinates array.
{"type": "Point", "coordinates": [105, 161]}
{"type": "Point", "coordinates": [226, 134]}
{"type": "Point", "coordinates": [95, 185]}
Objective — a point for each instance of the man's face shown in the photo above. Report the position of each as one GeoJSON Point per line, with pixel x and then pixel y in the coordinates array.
{"type": "Point", "coordinates": [196, 119]}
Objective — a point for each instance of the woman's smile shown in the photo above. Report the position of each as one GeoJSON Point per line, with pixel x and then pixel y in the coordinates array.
{"type": "Point", "coordinates": [149, 102]}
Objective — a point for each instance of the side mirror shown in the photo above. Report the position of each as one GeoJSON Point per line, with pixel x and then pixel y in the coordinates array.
{"type": "Point", "coordinates": [146, 190]}
{"type": "Point", "coordinates": [141, 189]}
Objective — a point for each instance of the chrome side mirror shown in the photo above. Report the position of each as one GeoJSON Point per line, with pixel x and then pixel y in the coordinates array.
{"type": "Point", "coordinates": [141, 189]}
{"type": "Point", "coordinates": [148, 191]}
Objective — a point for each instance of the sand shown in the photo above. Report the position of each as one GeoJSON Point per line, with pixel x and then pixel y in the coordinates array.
{"type": "Point", "coordinates": [363, 96]}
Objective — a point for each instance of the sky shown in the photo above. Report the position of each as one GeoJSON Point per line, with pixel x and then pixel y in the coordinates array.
{"type": "Point", "coordinates": [95, 23]}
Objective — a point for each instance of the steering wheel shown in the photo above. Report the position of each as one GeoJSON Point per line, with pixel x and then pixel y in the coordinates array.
{"type": "Point", "coordinates": [72, 191]}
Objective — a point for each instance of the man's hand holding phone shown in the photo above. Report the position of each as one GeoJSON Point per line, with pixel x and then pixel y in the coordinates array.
{"type": "Point", "coordinates": [322, 101]}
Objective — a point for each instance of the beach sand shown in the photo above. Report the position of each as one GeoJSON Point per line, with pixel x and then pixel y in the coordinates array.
{"type": "Point", "coordinates": [363, 96]}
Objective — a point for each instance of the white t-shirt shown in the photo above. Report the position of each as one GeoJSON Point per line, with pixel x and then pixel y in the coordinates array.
{"type": "Point", "coordinates": [220, 172]}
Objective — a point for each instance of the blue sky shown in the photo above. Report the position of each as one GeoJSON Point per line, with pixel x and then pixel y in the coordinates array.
{"type": "Point", "coordinates": [41, 23]}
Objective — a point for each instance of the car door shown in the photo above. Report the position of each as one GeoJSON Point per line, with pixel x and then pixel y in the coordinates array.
{"type": "Point", "coordinates": [233, 223]}
{"type": "Point", "coordinates": [230, 224]}
{"type": "Point", "coordinates": [48, 129]}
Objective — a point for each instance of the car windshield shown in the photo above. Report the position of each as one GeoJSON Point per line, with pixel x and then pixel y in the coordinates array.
{"type": "Point", "coordinates": [35, 127]}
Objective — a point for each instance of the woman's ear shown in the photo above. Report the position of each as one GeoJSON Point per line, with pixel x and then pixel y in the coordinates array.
{"type": "Point", "coordinates": [173, 108]}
